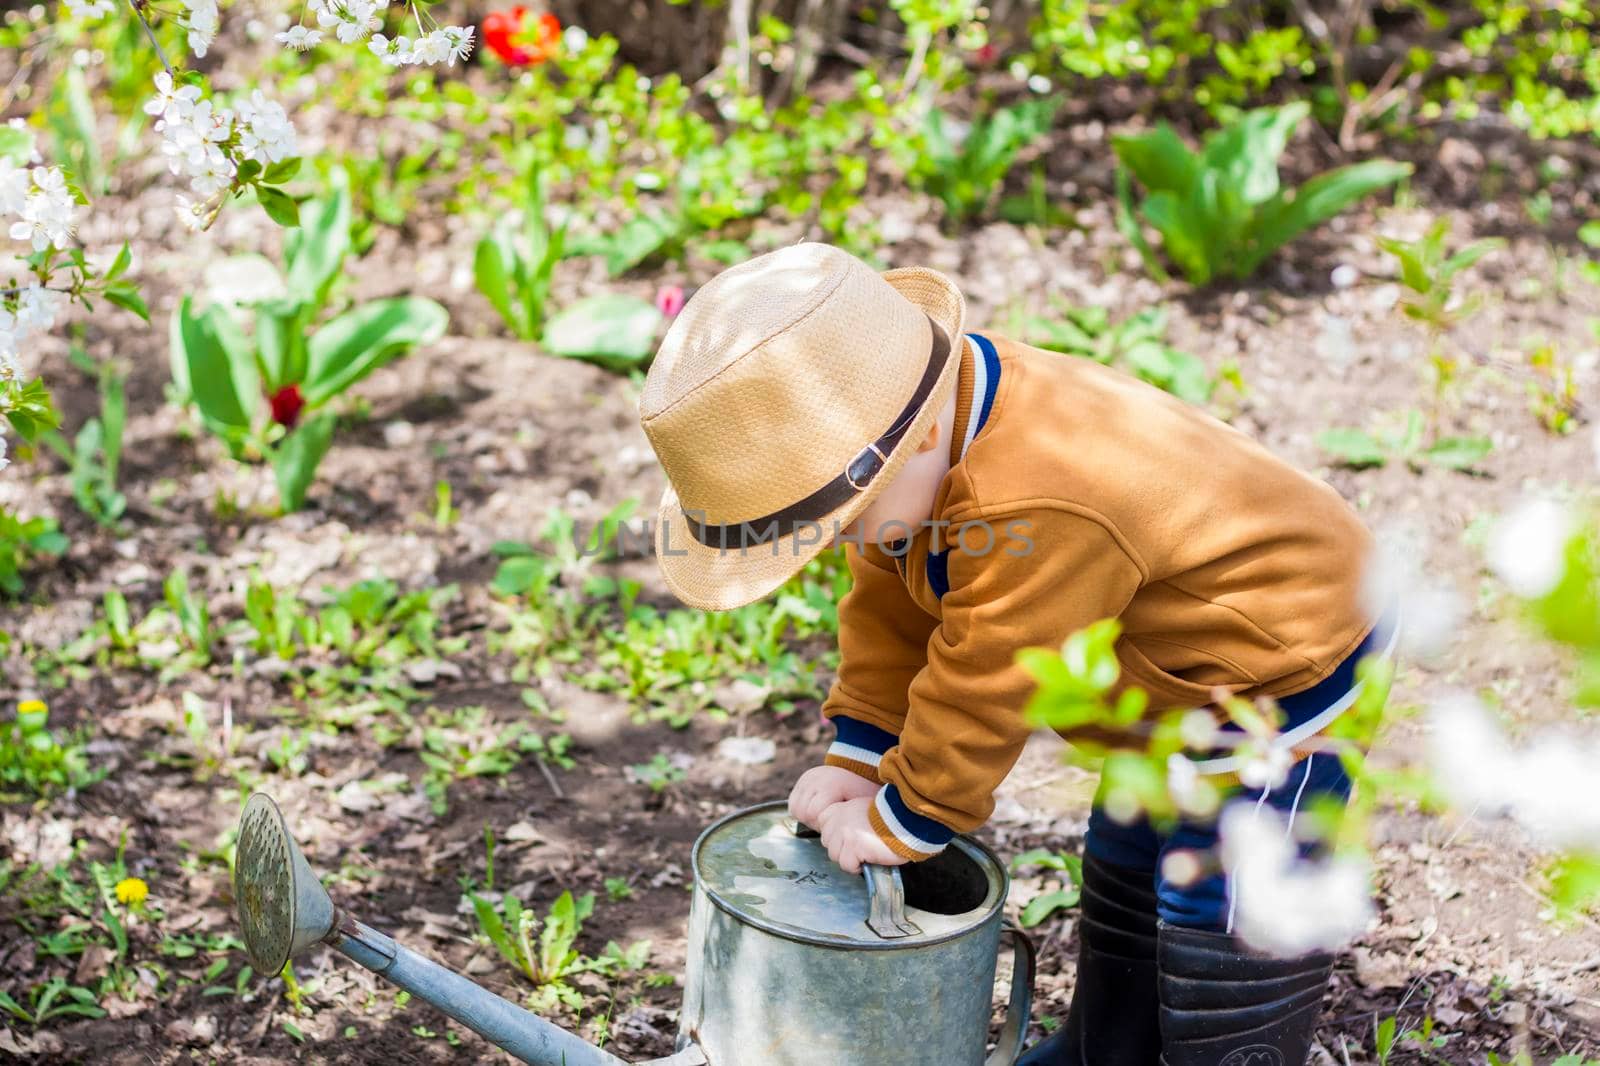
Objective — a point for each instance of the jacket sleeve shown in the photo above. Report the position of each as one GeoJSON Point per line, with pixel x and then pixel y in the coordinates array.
{"type": "Point", "coordinates": [964, 728]}
{"type": "Point", "coordinates": [883, 639]}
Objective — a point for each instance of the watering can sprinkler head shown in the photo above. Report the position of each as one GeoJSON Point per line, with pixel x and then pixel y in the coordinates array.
{"type": "Point", "coordinates": [283, 908]}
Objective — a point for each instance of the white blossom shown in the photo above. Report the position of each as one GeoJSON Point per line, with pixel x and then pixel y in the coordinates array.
{"type": "Point", "coordinates": [91, 10]}
{"type": "Point", "coordinates": [172, 101]}
{"type": "Point", "coordinates": [36, 309]}
{"type": "Point", "coordinates": [4, 462]}
{"type": "Point", "coordinates": [459, 39]}
{"type": "Point", "coordinates": [395, 53]}
{"type": "Point", "coordinates": [350, 20]}
{"type": "Point", "coordinates": [1431, 610]}
{"type": "Point", "coordinates": [1188, 791]}
{"type": "Point", "coordinates": [203, 22]}
{"type": "Point", "coordinates": [1198, 729]}
{"type": "Point", "coordinates": [47, 212]}
{"type": "Point", "coordinates": [1280, 903]}
{"type": "Point", "coordinates": [299, 38]}
{"type": "Point", "coordinates": [9, 342]}
{"type": "Point", "coordinates": [1266, 767]}
{"type": "Point", "coordinates": [190, 213]}
{"type": "Point", "coordinates": [1548, 784]}
{"type": "Point", "coordinates": [15, 185]}
{"type": "Point", "coordinates": [1527, 548]}
{"type": "Point", "coordinates": [433, 48]}
{"type": "Point", "coordinates": [266, 134]}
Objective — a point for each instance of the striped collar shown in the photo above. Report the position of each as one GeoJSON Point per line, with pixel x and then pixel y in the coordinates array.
{"type": "Point", "coordinates": [976, 383]}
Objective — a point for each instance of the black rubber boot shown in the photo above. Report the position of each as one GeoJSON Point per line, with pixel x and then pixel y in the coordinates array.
{"type": "Point", "coordinates": [1223, 1006]}
{"type": "Point", "coordinates": [1112, 1020]}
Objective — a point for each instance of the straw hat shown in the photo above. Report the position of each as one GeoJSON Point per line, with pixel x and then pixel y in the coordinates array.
{"type": "Point", "coordinates": [788, 393]}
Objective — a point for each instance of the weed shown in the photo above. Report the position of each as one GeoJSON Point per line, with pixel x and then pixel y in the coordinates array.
{"type": "Point", "coordinates": [1430, 276]}
{"type": "Point", "coordinates": [35, 762]}
{"type": "Point", "coordinates": [1137, 344]}
{"type": "Point", "coordinates": [464, 742]}
{"type": "Point", "coordinates": [95, 453]}
{"type": "Point", "coordinates": [513, 271]}
{"type": "Point", "coordinates": [1070, 867]}
{"type": "Point", "coordinates": [966, 164]}
{"type": "Point", "coordinates": [21, 542]}
{"type": "Point", "coordinates": [1222, 211]}
{"type": "Point", "coordinates": [1553, 392]}
{"type": "Point", "coordinates": [1402, 436]}
{"type": "Point", "coordinates": [618, 889]}
{"type": "Point", "coordinates": [660, 773]}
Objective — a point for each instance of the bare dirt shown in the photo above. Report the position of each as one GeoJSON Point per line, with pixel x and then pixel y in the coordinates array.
{"type": "Point", "coordinates": [1463, 936]}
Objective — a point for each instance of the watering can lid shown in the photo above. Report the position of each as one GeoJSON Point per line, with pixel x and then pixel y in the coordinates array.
{"type": "Point", "coordinates": [754, 866]}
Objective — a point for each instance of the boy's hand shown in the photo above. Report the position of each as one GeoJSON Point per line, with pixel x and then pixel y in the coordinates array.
{"type": "Point", "coordinates": [821, 787]}
{"type": "Point", "coordinates": [850, 838]}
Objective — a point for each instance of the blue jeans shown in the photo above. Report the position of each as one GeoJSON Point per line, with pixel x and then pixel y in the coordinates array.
{"type": "Point", "coordinates": [1203, 904]}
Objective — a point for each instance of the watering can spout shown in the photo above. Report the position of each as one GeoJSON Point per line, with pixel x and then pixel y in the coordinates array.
{"type": "Point", "coordinates": [284, 911]}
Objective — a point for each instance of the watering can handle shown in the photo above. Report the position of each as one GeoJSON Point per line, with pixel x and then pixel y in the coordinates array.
{"type": "Point", "coordinates": [1015, 1030]}
{"type": "Point", "coordinates": [885, 888]}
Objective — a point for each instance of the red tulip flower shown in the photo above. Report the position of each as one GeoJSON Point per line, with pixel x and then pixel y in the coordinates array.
{"type": "Point", "coordinates": [521, 41]}
{"type": "Point", "coordinates": [286, 404]}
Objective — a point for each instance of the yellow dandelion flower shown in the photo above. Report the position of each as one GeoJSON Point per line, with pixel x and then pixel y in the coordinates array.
{"type": "Point", "coordinates": [132, 891]}
{"type": "Point", "coordinates": [32, 707]}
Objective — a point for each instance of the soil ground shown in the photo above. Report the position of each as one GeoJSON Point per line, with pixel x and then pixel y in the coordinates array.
{"type": "Point", "coordinates": [1463, 935]}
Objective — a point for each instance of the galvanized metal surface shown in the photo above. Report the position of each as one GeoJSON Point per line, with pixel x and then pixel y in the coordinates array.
{"type": "Point", "coordinates": [283, 908]}
{"type": "Point", "coordinates": [753, 865]}
{"type": "Point", "coordinates": [784, 971]}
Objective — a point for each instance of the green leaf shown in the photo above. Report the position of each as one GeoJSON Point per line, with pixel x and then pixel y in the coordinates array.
{"type": "Point", "coordinates": [279, 205]}
{"type": "Point", "coordinates": [1318, 200]}
{"type": "Point", "coordinates": [1158, 158]}
{"type": "Point", "coordinates": [316, 251]}
{"type": "Point", "coordinates": [212, 363]}
{"type": "Point", "coordinates": [492, 274]}
{"type": "Point", "coordinates": [1043, 906]}
{"type": "Point", "coordinates": [295, 459]}
{"type": "Point", "coordinates": [1469, 255]}
{"type": "Point", "coordinates": [119, 264]}
{"type": "Point", "coordinates": [366, 337]}
{"type": "Point", "coordinates": [613, 330]}
{"type": "Point", "coordinates": [126, 295]}
{"type": "Point", "coordinates": [32, 411]}
{"type": "Point", "coordinates": [1132, 232]}
{"type": "Point", "coordinates": [1245, 153]}
{"type": "Point", "coordinates": [1589, 233]}
{"type": "Point", "coordinates": [281, 171]}
{"type": "Point", "coordinates": [1458, 453]}
{"type": "Point", "coordinates": [281, 341]}
{"type": "Point", "coordinates": [1352, 447]}
{"type": "Point", "coordinates": [1181, 235]}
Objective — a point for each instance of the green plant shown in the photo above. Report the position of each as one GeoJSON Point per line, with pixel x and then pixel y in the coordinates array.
{"type": "Point", "coordinates": [297, 366]}
{"type": "Point", "coordinates": [613, 330]}
{"type": "Point", "coordinates": [35, 762]}
{"type": "Point", "coordinates": [1430, 275]}
{"type": "Point", "coordinates": [659, 774]}
{"type": "Point", "coordinates": [1222, 211]}
{"type": "Point", "coordinates": [1137, 344]}
{"type": "Point", "coordinates": [22, 541]}
{"type": "Point", "coordinates": [513, 271]}
{"type": "Point", "coordinates": [548, 961]}
{"type": "Point", "coordinates": [618, 889]}
{"type": "Point", "coordinates": [1045, 904]}
{"type": "Point", "coordinates": [1402, 436]}
{"type": "Point", "coordinates": [966, 165]}
{"type": "Point", "coordinates": [96, 452]}
{"type": "Point", "coordinates": [464, 742]}
{"type": "Point", "coordinates": [1553, 392]}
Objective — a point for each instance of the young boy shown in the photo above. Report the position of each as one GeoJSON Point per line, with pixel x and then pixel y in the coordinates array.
{"type": "Point", "coordinates": [995, 497]}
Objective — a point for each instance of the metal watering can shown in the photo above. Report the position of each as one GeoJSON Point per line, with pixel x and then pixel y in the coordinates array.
{"type": "Point", "coordinates": [791, 961]}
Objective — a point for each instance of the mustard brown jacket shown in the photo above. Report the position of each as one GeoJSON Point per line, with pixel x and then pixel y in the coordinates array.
{"type": "Point", "coordinates": [1103, 497]}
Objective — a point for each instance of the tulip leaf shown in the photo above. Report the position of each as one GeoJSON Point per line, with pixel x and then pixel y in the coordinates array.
{"type": "Point", "coordinates": [361, 340]}
{"type": "Point", "coordinates": [295, 459]}
{"type": "Point", "coordinates": [212, 365]}
{"type": "Point", "coordinates": [614, 331]}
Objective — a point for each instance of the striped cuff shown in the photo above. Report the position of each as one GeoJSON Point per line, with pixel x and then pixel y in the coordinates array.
{"type": "Point", "coordinates": [858, 747]}
{"type": "Point", "coordinates": [909, 835]}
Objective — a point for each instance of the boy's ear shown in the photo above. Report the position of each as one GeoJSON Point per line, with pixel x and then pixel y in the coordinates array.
{"type": "Point", "coordinates": [931, 441]}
